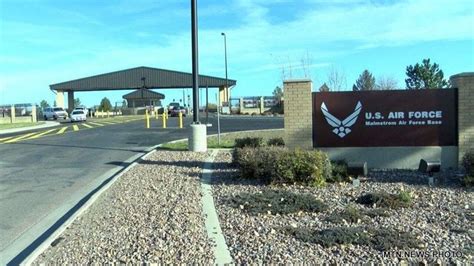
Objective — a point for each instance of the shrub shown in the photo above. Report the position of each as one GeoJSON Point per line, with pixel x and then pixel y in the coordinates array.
{"type": "Point", "coordinates": [245, 160]}
{"type": "Point", "coordinates": [383, 199]}
{"type": "Point", "coordinates": [339, 172]}
{"type": "Point", "coordinates": [386, 239]}
{"type": "Point", "coordinates": [305, 167]}
{"type": "Point", "coordinates": [248, 142]}
{"type": "Point", "coordinates": [350, 214]}
{"type": "Point", "coordinates": [381, 239]}
{"type": "Point", "coordinates": [257, 163]}
{"type": "Point", "coordinates": [468, 162]}
{"type": "Point", "coordinates": [279, 165]}
{"type": "Point", "coordinates": [276, 142]}
{"type": "Point", "coordinates": [276, 202]}
{"type": "Point", "coordinates": [332, 236]}
{"type": "Point", "coordinates": [468, 180]}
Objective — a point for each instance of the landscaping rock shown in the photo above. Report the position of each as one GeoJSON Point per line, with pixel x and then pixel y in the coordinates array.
{"type": "Point", "coordinates": [152, 214]}
{"type": "Point", "coordinates": [428, 220]}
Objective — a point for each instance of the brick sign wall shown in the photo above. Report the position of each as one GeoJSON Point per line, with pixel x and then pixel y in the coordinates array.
{"type": "Point", "coordinates": [385, 118]}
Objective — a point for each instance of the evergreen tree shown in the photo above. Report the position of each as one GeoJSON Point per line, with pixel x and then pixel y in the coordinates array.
{"type": "Point", "coordinates": [278, 93]}
{"type": "Point", "coordinates": [105, 105]}
{"type": "Point", "coordinates": [354, 88]}
{"type": "Point", "coordinates": [425, 76]}
{"type": "Point", "coordinates": [44, 104]}
{"type": "Point", "coordinates": [365, 82]}
{"type": "Point", "coordinates": [77, 102]}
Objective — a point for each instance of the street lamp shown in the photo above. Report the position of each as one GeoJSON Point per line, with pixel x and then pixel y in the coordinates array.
{"type": "Point", "coordinates": [225, 57]}
{"type": "Point", "coordinates": [198, 136]}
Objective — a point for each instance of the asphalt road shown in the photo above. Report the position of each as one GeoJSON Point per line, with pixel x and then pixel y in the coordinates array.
{"type": "Point", "coordinates": [44, 176]}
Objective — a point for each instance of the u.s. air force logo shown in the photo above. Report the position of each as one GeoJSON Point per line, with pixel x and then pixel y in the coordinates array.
{"type": "Point", "coordinates": [341, 128]}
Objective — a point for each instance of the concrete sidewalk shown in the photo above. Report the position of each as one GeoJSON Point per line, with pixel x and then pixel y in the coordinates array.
{"type": "Point", "coordinates": [21, 129]}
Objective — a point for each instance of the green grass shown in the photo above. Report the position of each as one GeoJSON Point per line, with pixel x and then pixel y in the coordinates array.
{"type": "Point", "coordinates": [176, 146]}
{"type": "Point", "coordinates": [19, 125]}
{"type": "Point", "coordinates": [227, 140]}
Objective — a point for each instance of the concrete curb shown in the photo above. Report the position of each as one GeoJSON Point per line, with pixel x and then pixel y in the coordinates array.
{"type": "Point", "coordinates": [214, 233]}
{"type": "Point", "coordinates": [21, 129]}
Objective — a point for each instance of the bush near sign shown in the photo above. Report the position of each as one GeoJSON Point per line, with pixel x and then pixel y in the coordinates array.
{"type": "Point", "coordinates": [385, 118]}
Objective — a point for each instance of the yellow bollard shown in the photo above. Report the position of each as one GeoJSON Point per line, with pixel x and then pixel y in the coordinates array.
{"type": "Point", "coordinates": [147, 119]}
{"type": "Point", "coordinates": [164, 120]}
{"type": "Point", "coordinates": [180, 116]}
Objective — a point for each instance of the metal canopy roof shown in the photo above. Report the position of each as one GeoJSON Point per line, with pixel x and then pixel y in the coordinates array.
{"type": "Point", "coordinates": [154, 78]}
{"type": "Point", "coordinates": [144, 94]}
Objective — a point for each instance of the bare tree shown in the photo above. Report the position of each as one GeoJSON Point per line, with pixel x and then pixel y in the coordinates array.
{"type": "Point", "coordinates": [336, 79]}
{"type": "Point", "coordinates": [386, 83]}
{"type": "Point", "coordinates": [292, 68]}
{"type": "Point", "coordinates": [306, 63]}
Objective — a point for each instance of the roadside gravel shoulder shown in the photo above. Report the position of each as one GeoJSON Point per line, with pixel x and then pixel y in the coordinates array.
{"type": "Point", "coordinates": [152, 214]}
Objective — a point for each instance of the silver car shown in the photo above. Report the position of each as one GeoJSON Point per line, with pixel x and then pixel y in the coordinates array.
{"type": "Point", "coordinates": [54, 113]}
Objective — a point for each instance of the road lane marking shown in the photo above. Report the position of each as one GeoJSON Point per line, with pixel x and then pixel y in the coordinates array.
{"type": "Point", "coordinates": [20, 137]}
{"type": "Point", "coordinates": [106, 122]}
{"type": "Point", "coordinates": [61, 131]}
{"type": "Point", "coordinates": [41, 134]}
{"type": "Point", "coordinates": [75, 127]}
{"type": "Point", "coordinates": [7, 138]}
{"type": "Point", "coordinates": [96, 124]}
{"type": "Point", "coordinates": [86, 125]}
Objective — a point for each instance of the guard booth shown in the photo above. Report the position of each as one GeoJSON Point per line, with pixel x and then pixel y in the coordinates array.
{"type": "Point", "coordinates": [139, 100]}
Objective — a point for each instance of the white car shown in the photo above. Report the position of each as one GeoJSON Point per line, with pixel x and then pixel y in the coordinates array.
{"type": "Point", "coordinates": [82, 109]}
{"type": "Point", "coordinates": [78, 115]}
{"type": "Point", "coordinates": [54, 113]}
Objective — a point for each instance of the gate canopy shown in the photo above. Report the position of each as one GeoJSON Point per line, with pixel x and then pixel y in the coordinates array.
{"type": "Point", "coordinates": [140, 77]}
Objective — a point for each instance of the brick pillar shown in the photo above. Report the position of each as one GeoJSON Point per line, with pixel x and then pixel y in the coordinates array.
{"type": "Point", "coordinates": [465, 84]}
{"type": "Point", "coordinates": [298, 113]}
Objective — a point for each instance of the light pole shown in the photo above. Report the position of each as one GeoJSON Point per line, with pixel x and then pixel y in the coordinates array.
{"type": "Point", "coordinates": [194, 37]}
{"type": "Point", "coordinates": [225, 57]}
{"type": "Point", "coordinates": [197, 141]}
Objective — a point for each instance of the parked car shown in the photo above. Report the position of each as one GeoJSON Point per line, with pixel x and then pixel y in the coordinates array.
{"type": "Point", "coordinates": [54, 113]}
{"type": "Point", "coordinates": [175, 111]}
{"type": "Point", "coordinates": [78, 115]}
{"type": "Point", "coordinates": [82, 108]}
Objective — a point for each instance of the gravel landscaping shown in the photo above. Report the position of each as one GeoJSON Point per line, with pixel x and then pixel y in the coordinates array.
{"type": "Point", "coordinates": [152, 214]}
{"type": "Point", "coordinates": [437, 220]}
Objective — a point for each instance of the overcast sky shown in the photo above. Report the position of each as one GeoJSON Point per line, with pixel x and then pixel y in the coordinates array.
{"type": "Point", "coordinates": [46, 42]}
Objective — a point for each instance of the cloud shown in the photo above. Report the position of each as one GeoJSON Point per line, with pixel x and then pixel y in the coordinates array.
{"type": "Point", "coordinates": [255, 40]}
